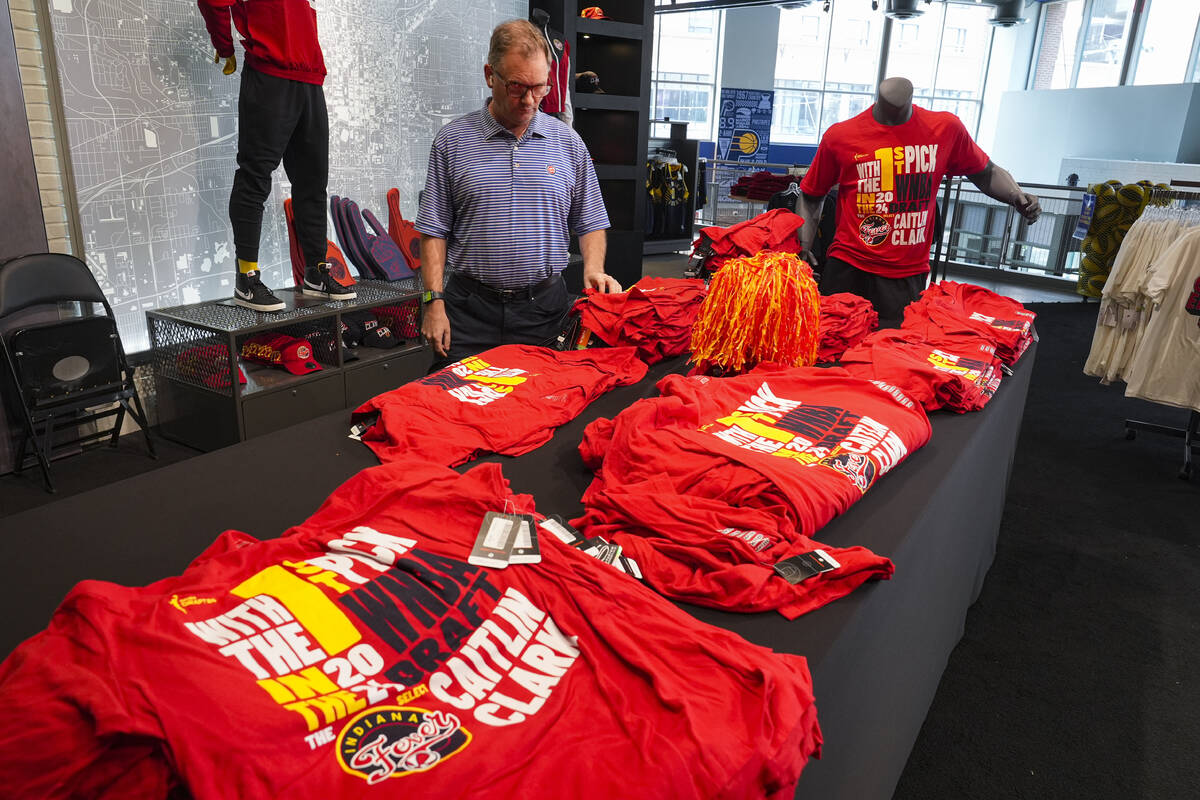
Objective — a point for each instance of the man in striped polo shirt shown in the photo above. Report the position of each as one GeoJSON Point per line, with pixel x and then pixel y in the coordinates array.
{"type": "Point", "coordinates": [507, 186]}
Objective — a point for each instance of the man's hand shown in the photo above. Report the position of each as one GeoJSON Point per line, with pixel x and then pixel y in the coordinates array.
{"type": "Point", "coordinates": [230, 63]}
{"type": "Point", "coordinates": [435, 327]}
{"type": "Point", "coordinates": [601, 282]}
{"type": "Point", "coordinates": [1027, 206]}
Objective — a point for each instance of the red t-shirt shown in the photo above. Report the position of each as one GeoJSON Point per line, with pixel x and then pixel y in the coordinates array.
{"type": "Point", "coordinates": [280, 37]}
{"type": "Point", "coordinates": [948, 307]}
{"type": "Point", "coordinates": [361, 646]}
{"type": "Point", "coordinates": [705, 551]}
{"type": "Point", "coordinates": [506, 400]}
{"type": "Point", "coordinates": [846, 319]}
{"type": "Point", "coordinates": [656, 316]}
{"type": "Point", "coordinates": [888, 177]}
{"type": "Point", "coordinates": [960, 373]}
{"type": "Point", "coordinates": [802, 443]}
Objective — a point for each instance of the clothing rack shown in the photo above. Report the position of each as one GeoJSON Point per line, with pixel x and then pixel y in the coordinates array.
{"type": "Point", "coordinates": [1190, 433]}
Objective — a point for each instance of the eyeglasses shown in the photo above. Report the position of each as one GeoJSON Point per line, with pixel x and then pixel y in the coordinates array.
{"type": "Point", "coordinates": [517, 90]}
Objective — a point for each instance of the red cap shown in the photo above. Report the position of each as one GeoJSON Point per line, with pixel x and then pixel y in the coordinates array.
{"type": "Point", "coordinates": [593, 12]}
{"type": "Point", "coordinates": [208, 364]}
{"type": "Point", "coordinates": [281, 350]}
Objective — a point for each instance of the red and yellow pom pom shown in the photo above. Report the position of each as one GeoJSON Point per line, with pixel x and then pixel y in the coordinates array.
{"type": "Point", "coordinates": [760, 308]}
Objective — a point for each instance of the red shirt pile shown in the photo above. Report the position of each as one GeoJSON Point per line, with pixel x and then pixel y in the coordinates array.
{"type": "Point", "coordinates": [656, 316]}
{"type": "Point", "coordinates": [960, 373]}
{"type": "Point", "coordinates": [948, 307]}
{"type": "Point", "coordinates": [761, 185]}
{"type": "Point", "coordinates": [846, 319]}
{"type": "Point", "coordinates": [362, 646]}
{"type": "Point", "coordinates": [770, 230]}
{"type": "Point", "coordinates": [795, 447]}
{"type": "Point", "coordinates": [506, 400]}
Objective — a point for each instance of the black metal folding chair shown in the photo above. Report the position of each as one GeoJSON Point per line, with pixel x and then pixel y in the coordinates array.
{"type": "Point", "coordinates": [69, 372]}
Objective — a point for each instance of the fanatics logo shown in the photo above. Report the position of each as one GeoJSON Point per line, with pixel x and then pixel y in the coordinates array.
{"type": "Point", "coordinates": [550, 169]}
{"type": "Point", "coordinates": [396, 741]}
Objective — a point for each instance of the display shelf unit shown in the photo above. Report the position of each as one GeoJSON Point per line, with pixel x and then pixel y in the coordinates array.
{"type": "Point", "coordinates": [614, 124]}
{"type": "Point", "coordinates": [687, 152]}
{"type": "Point", "coordinates": [195, 349]}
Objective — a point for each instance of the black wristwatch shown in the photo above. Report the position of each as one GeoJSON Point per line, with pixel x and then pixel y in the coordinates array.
{"type": "Point", "coordinates": [429, 297]}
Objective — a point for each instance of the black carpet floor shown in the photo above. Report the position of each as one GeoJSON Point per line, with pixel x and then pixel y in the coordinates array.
{"type": "Point", "coordinates": [1078, 675]}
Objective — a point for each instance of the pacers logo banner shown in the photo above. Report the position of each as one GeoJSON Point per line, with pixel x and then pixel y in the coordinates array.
{"type": "Point", "coordinates": [895, 193]}
{"type": "Point", "coordinates": [744, 126]}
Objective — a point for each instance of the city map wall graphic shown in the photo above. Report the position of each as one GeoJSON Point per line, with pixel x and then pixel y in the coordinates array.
{"type": "Point", "coordinates": [152, 125]}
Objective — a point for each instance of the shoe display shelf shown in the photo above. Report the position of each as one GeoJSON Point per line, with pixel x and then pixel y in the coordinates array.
{"type": "Point", "coordinates": [195, 349]}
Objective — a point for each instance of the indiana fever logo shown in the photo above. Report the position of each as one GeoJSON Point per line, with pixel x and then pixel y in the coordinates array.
{"type": "Point", "coordinates": [475, 381]}
{"type": "Point", "coordinates": [397, 741]}
{"type": "Point", "coordinates": [874, 230]}
{"type": "Point", "coordinates": [858, 468]}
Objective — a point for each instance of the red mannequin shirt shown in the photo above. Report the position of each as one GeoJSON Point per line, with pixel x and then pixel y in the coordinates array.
{"type": "Point", "coordinates": [804, 443]}
{"type": "Point", "coordinates": [280, 36]}
{"type": "Point", "coordinates": [888, 177]}
{"type": "Point", "coordinates": [506, 400]}
{"type": "Point", "coordinates": [360, 655]}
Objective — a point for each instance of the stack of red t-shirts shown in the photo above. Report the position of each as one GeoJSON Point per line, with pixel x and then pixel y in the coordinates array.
{"type": "Point", "coordinates": [364, 646]}
{"type": "Point", "coordinates": [774, 453]}
{"type": "Point", "coordinates": [771, 230]}
{"type": "Point", "coordinates": [846, 319]}
{"type": "Point", "coordinates": [656, 316]}
{"type": "Point", "coordinates": [506, 400]}
{"type": "Point", "coordinates": [761, 185]}
{"type": "Point", "coordinates": [960, 373]}
{"type": "Point", "coordinates": [948, 307]}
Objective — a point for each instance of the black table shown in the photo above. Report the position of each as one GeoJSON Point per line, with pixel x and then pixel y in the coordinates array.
{"type": "Point", "coordinates": [876, 656]}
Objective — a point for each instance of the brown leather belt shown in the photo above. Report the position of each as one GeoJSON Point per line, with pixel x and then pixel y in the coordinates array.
{"type": "Point", "coordinates": [506, 295]}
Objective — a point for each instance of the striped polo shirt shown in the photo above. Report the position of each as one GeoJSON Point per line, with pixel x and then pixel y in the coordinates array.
{"type": "Point", "coordinates": [507, 207]}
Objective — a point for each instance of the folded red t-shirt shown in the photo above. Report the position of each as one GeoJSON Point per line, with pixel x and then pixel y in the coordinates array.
{"type": "Point", "coordinates": [656, 316]}
{"type": "Point", "coordinates": [506, 400]}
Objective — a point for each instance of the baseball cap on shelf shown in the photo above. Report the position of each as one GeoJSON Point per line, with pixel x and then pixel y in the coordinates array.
{"type": "Point", "coordinates": [208, 364]}
{"type": "Point", "coordinates": [325, 348]}
{"type": "Point", "coordinates": [380, 336]}
{"type": "Point", "coordinates": [593, 12]}
{"type": "Point", "coordinates": [281, 350]}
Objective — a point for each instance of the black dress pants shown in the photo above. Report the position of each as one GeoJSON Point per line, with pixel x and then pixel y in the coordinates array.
{"type": "Point", "coordinates": [481, 319]}
{"type": "Point", "coordinates": [280, 120]}
{"type": "Point", "coordinates": [889, 296]}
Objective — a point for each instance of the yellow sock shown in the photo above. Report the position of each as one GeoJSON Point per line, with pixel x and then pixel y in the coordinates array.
{"type": "Point", "coordinates": [247, 266]}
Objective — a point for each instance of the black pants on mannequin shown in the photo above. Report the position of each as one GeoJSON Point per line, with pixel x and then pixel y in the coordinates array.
{"type": "Point", "coordinates": [280, 120]}
{"type": "Point", "coordinates": [889, 296]}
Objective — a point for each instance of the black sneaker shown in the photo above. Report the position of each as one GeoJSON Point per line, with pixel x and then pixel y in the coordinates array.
{"type": "Point", "coordinates": [249, 292]}
{"type": "Point", "coordinates": [319, 283]}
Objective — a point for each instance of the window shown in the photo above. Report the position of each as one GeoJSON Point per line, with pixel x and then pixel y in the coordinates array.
{"type": "Point", "coordinates": [826, 67]}
{"type": "Point", "coordinates": [1055, 67]}
{"type": "Point", "coordinates": [683, 81]}
{"type": "Point", "coordinates": [1104, 44]}
{"type": "Point", "coordinates": [1168, 31]}
{"type": "Point", "coordinates": [945, 56]}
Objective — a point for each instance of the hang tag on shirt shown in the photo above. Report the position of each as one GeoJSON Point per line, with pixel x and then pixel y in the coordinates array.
{"type": "Point", "coordinates": [525, 549]}
{"type": "Point", "coordinates": [356, 431]}
{"type": "Point", "coordinates": [805, 565]}
{"type": "Point", "coordinates": [610, 553]}
{"type": "Point", "coordinates": [1108, 314]}
{"type": "Point", "coordinates": [559, 529]}
{"type": "Point", "coordinates": [630, 566]}
{"type": "Point", "coordinates": [1130, 318]}
{"type": "Point", "coordinates": [593, 546]}
{"type": "Point", "coordinates": [494, 543]}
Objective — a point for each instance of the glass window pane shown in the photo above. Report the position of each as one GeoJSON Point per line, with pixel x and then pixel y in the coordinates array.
{"type": "Point", "coordinates": [855, 36]}
{"type": "Point", "coordinates": [966, 110]}
{"type": "Point", "coordinates": [1060, 35]}
{"type": "Point", "coordinates": [691, 102]}
{"type": "Point", "coordinates": [687, 45]}
{"type": "Point", "coordinates": [800, 58]}
{"type": "Point", "coordinates": [966, 41]}
{"type": "Point", "coordinates": [840, 106]}
{"type": "Point", "coordinates": [1104, 43]}
{"type": "Point", "coordinates": [796, 116]}
{"type": "Point", "coordinates": [1167, 41]}
{"type": "Point", "coordinates": [913, 53]}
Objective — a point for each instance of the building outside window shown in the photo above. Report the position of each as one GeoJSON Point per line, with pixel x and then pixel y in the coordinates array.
{"type": "Point", "coordinates": [1168, 41]}
{"type": "Point", "coordinates": [683, 81]}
